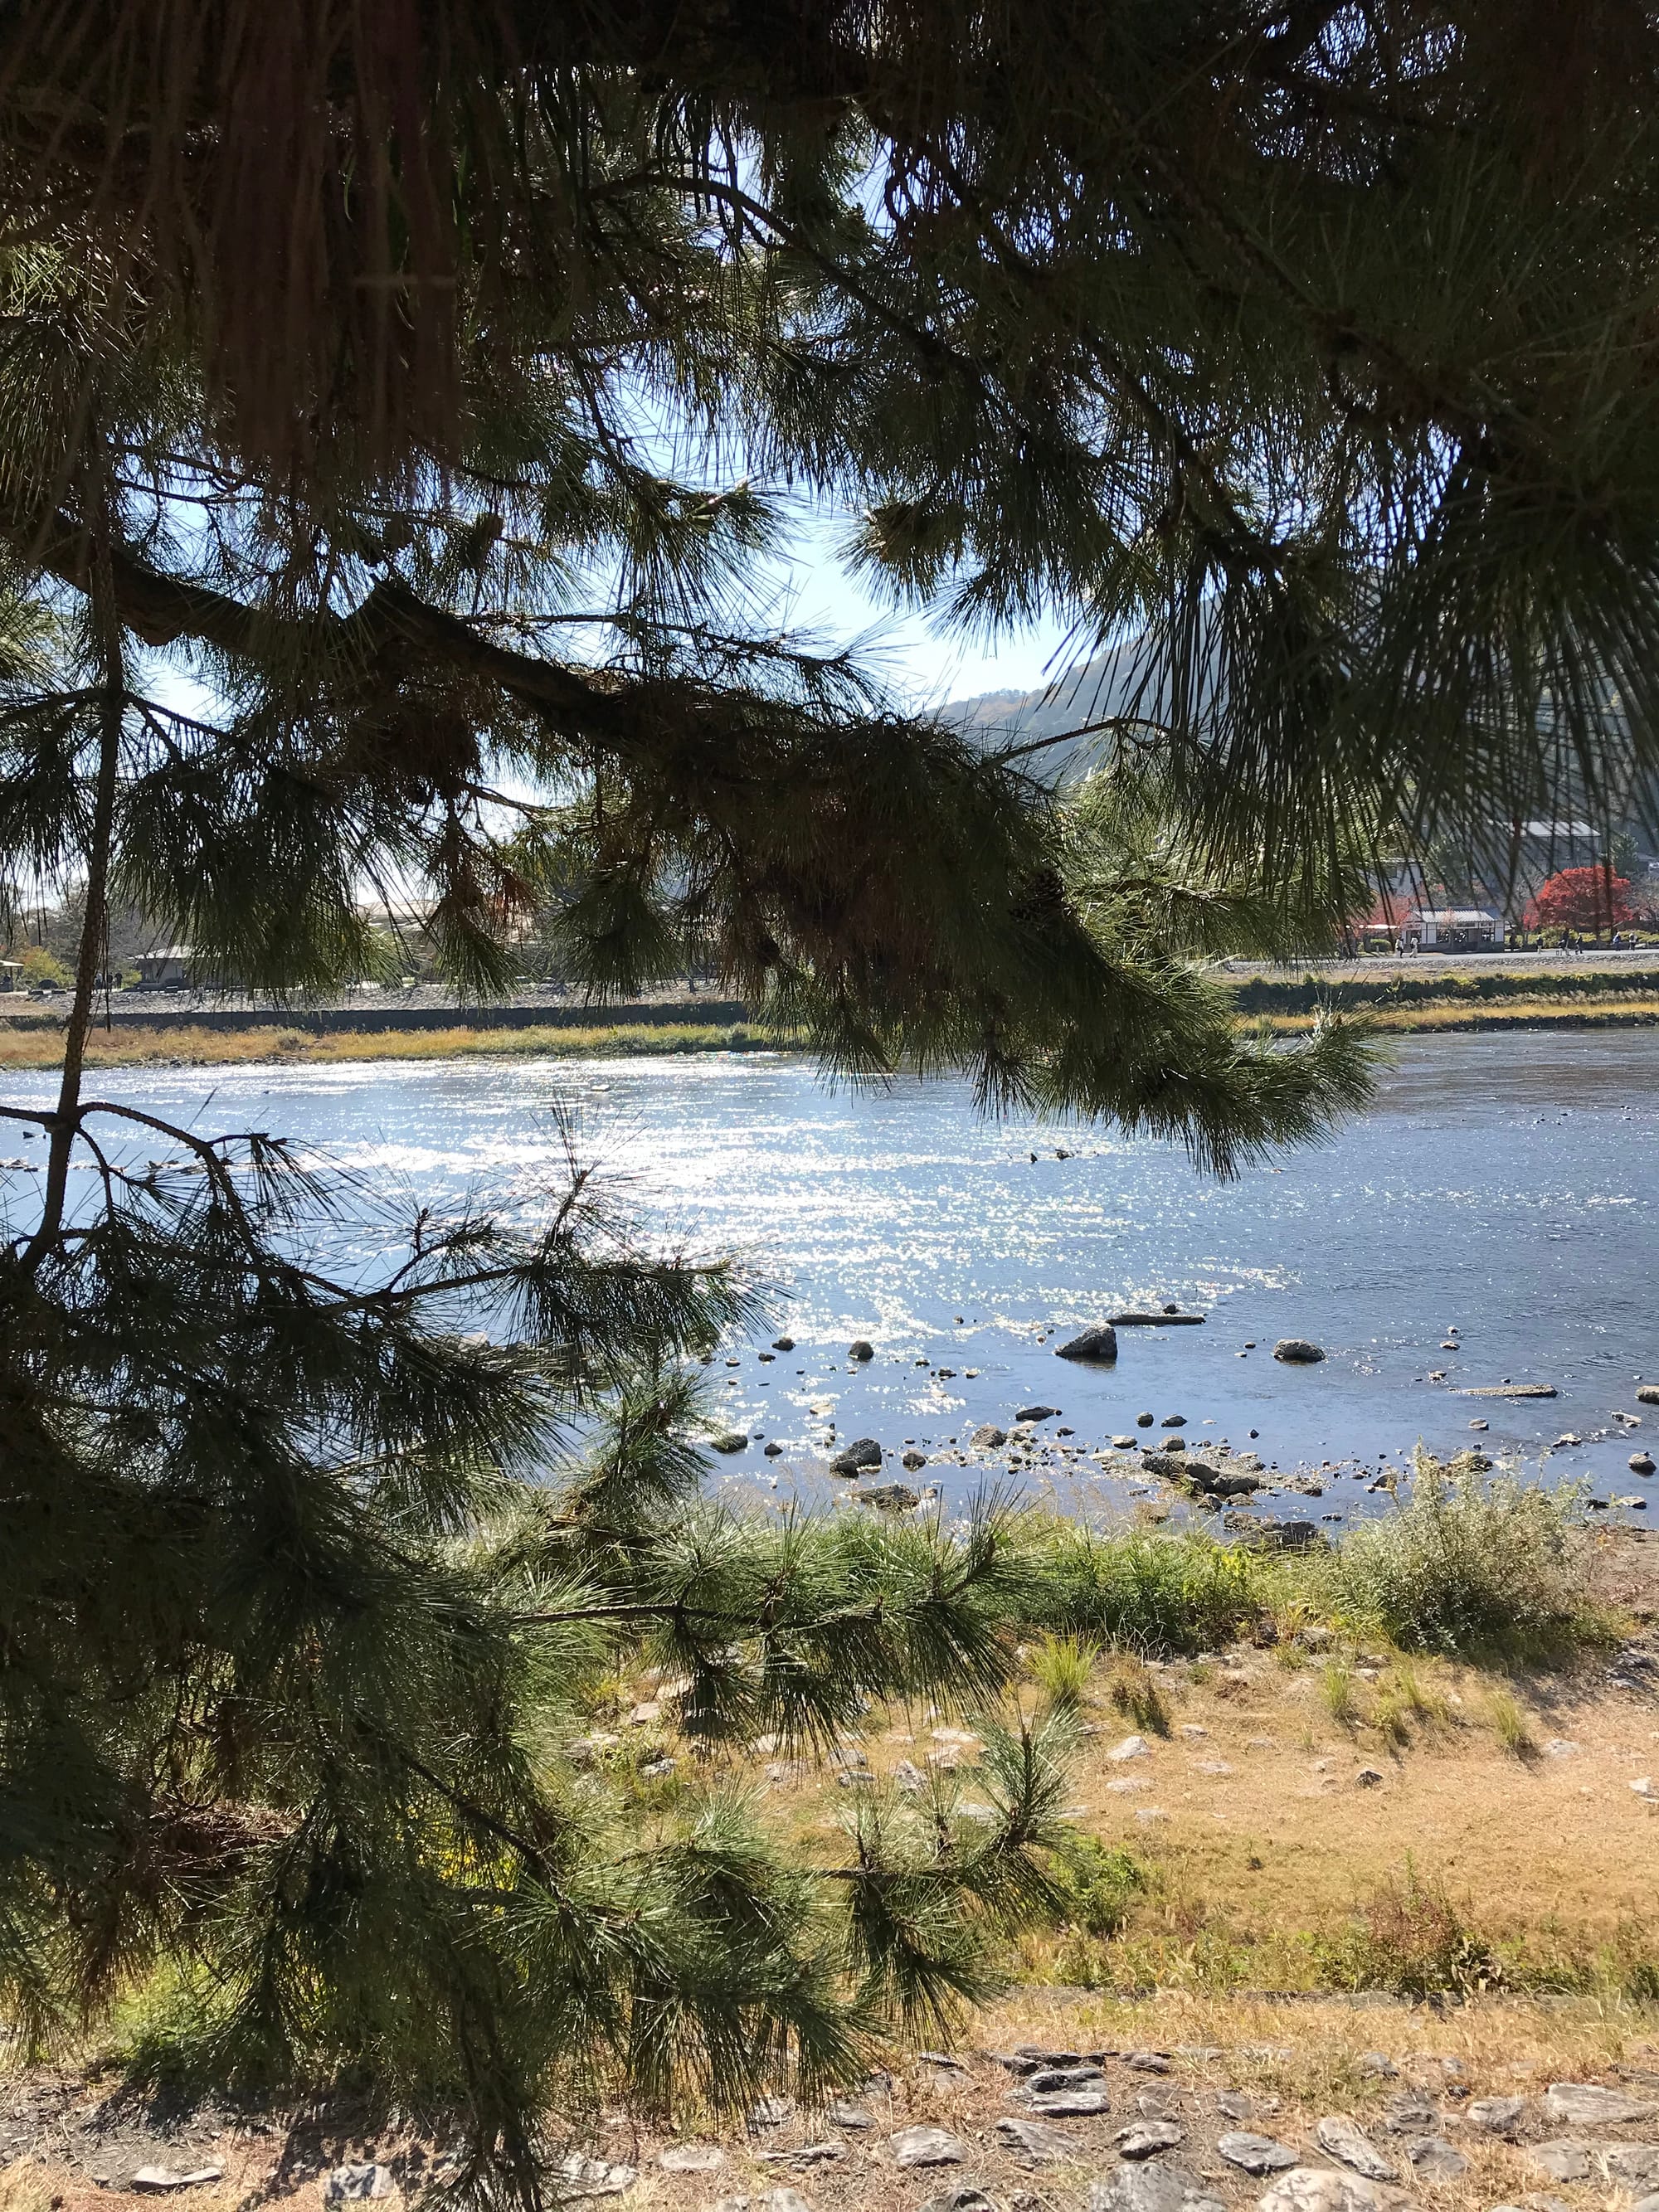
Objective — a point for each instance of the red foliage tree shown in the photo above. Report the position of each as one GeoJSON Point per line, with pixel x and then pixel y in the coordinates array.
{"type": "Point", "coordinates": [1582, 898]}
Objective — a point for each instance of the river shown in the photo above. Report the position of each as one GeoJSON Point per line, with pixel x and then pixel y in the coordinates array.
{"type": "Point", "coordinates": [1500, 1189]}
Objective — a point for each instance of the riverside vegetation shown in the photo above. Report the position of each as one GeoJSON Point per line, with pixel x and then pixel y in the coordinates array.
{"type": "Point", "coordinates": [1281, 1773]}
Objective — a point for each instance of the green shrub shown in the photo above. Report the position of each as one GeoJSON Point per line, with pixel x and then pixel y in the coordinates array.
{"type": "Point", "coordinates": [1336, 1691]}
{"type": "Point", "coordinates": [1062, 1665]}
{"type": "Point", "coordinates": [1471, 1564]}
{"type": "Point", "coordinates": [1181, 1593]}
{"type": "Point", "coordinates": [1098, 1883]}
{"type": "Point", "coordinates": [1511, 1724]}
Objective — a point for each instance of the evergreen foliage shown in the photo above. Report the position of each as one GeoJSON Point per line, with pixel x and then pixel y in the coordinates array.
{"type": "Point", "coordinates": [393, 408]}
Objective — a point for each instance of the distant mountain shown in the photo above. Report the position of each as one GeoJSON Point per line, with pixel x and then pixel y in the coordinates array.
{"type": "Point", "coordinates": [1100, 688]}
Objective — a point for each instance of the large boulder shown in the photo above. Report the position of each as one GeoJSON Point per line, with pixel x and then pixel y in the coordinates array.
{"type": "Point", "coordinates": [1098, 1345]}
{"type": "Point", "coordinates": [1296, 1351]}
{"type": "Point", "coordinates": [861, 1348]}
{"type": "Point", "coordinates": [853, 1458]}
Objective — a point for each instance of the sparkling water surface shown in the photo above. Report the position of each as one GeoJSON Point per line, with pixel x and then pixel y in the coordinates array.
{"type": "Point", "coordinates": [1500, 1184]}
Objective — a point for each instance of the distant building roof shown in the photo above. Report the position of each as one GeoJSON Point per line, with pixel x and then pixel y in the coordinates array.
{"type": "Point", "coordinates": [1559, 830]}
{"type": "Point", "coordinates": [1453, 917]}
{"type": "Point", "coordinates": [170, 952]}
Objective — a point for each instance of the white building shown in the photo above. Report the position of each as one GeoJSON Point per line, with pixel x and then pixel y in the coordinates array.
{"type": "Point", "coordinates": [1454, 929]}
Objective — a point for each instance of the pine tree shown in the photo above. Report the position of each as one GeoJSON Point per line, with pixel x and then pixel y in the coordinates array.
{"type": "Point", "coordinates": [380, 370]}
{"type": "Point", "coordinates": [310, 1575]}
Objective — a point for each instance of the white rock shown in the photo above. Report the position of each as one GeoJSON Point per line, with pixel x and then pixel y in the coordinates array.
{"type": "Point", "coordinates": [1047, 2146]}
{"type": "Point", "coordinates": [692, 2158]}
{"type": "Point", "coordinates": [1255, 2153]}
{"type": "Point", "coordinates": [1345, 2139]}
{"type": "Point", "coordinates": [1586, 2104]}
{"type": "Point", "coordinates": [1645, 1786]}
{"type": "Point", "coordinates": [1324, 2189]}
{"type": "Point", "coordinates": [1147, 2137]}
{"type": "Point", "coordinates": [1127, 1783]}
{"type": "Point", "coordinates": [349, 2184]}
{"type": "Point", "coordinates": [156, 2180]}
{"type": "Point", "coordinates": [925, 2146]}
{"type": "Point", "coordinates": [782, 2200]}
{"type": "Point", "coordinates": [1160, 2187]}
{"type": "Point", "coordinates": [581, 2176]}
{"type": "Point", "coordinates": [1132, 1747]}
{"type": "Point", "coordinates": [1562, 2162]}
{"type": "Point", "coordinates": [1499, 2116]}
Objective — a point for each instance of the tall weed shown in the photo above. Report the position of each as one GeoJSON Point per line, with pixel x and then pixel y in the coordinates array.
{"type": "Point", "coordinates": [1473, 1564]}
{"type": "Point", "coordinates": [1063, 1667]}
{"type": "Point", "coordinates": [1182, 1593]}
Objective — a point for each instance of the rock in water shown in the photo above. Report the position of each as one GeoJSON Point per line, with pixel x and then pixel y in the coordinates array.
{"type": "Point", "coordinates": [1511, 1390]}
{"type": "Point", "coordinates": [861, 1348]}
{"type": "Point", "coordinates": [925, 2146]}
{"type": "Point", "coordinates": [1157, 1321]}
{"type": "Point", "coordinates": [1099, 1345]}
{"type": "Point", "coordinates": [1036, 1412]}
{"type": "Point", "coordinates": [729, 1440]}
{"type": "Point", "coordinates": [1648, 1394]}
{"type": "Point", "coordinates": [891, 1497]}
{"type": "Point", "coordinates": [991, 1437]}
{"type": "Point", "coordinates": [913, 1460]}
{"type": "Point", "coordinates": [1296, 1351]}
{"type": "Point", "coordinates": [863, 1452]}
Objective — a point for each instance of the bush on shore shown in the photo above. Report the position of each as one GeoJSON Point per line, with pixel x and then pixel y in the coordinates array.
{"type": "Point", "coordinates": [1474, 1564]}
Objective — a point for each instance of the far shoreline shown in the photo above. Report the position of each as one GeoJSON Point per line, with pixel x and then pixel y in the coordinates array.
{"type": "Point", "coordinates": [193, 1045]}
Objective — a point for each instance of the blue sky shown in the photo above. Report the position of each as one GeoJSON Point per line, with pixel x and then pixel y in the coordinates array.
{"type": "Point", "coordinates": [925, 666]}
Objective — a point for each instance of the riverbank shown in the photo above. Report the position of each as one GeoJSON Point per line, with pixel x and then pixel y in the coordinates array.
{"type": "Point", "coordinates": [193, 1045]}
{"type": "Point", "coordinates": [1294, 1931]}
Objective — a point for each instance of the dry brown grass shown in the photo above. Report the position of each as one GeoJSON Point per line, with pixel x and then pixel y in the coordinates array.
{"type": "Point", "coordinates": [197, 1047]}
{"type": "Point", "coordinates": [1263, 1874]}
